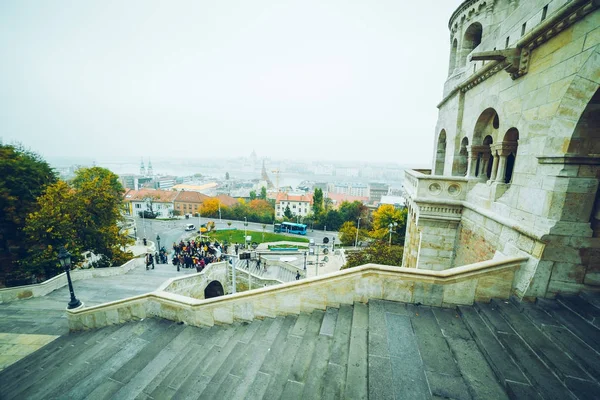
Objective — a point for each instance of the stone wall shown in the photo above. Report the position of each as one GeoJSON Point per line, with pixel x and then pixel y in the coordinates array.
{"type": "Point", "coordinates": [540, 108]}
{"type": "Point", "coordinates": [448, 288]}
{"type": "Point", "coordinates": [193, 285]}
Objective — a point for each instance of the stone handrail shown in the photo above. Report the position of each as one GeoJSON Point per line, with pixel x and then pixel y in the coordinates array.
{"type": "Point", "coordinates": [52, 284]}
{"type": "Point", "coordinates": [456, 286]}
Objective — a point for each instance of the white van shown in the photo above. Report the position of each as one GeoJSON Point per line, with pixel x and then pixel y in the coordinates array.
{"type": "Point", "coordinates": [190, 227]}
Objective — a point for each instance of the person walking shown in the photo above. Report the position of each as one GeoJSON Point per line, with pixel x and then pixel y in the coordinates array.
{"type": "Point", "coordinates": [297, 275]}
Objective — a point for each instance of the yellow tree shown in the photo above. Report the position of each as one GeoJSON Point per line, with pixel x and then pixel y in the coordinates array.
{"type": "Point", "coordinates": [385, 215]}
{"type": "Point", "coordinates": [210, 207]}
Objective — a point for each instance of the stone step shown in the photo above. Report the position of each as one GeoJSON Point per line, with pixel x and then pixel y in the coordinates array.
{"type": "Point", "coordinates": [586, 332]}
{"type": "Point", "coordinates": [68, 347]}
{"type": "Point", "coordinates": [473, 366]}
{"type": "Point", "coordinates": [544, 348]}
{"type": "Point", "coordinates": [189, 360]}
{"type": "Point", "coordinates": [499, 360]}
{"type": "Point", "coordinates": [40, 367]}
{"type": "Point", "coordinates": [442, 372]}
{"type": "Point", "coordinates": [216, 363]}
{"type": "Point", "coordinates": [98, 352]}
{"type": "Point", "coordinates": [302, 360]}
{"type": "Point", "coordinates": [581, 307]}
{"type": "Point", "coordinates": [248, 368]}
{"type": "Point", "coordinates": [313, 383]}
{"type": "Point", "coordinates": [356, 376]}
{"type": "Point", "coordinates": [380, 366]}
{"type": "Point", "coordinates": [128, 351]}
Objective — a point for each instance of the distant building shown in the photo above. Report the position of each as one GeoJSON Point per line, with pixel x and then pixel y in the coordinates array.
{"type": "Point", "coordinates": [352, 189]}
{"type": "Point", "coordinates": [164, 182]}
{"type": "Point", "coordinates": [376, 190]}
{"type": "Point", "coordinates": [207, 188]}
{"type": "Point", "coordinates": [396, 201]}
{"type": "Point", "coordinates": [189, 202]}
{"type": "Point", "coordinates": [134, 182]}
{"type": "Point", "coordinates": [160, 202]}
{"type": "Point", "coordinates": [339, 198]}
{"type": "Point", "coordinates": [300, 204]}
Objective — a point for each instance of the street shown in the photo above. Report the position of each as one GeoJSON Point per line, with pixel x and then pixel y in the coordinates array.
{"type": "Point", "coordinates": [173, 230]}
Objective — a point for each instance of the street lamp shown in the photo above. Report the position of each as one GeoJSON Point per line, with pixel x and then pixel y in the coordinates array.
{"type": "Point", "coordinates": [65, 261]}
{"type": "Point", "coordinates": [357, 228]}
{"type": "Point", "coordinates": [245, 230]}
{"type": "Point", "coordinates": [135, 233]}
{"type": "Point", "coordinates": [392, 225]}
{"type": "Point", "coordinates": [333, 244]}
{"type": "Point", "coordinates": [158, 240]}
{"type": "Point", "coordinates": [305, 263]}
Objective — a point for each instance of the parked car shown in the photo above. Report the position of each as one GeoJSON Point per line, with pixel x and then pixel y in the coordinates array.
{"type": "Point", "coordinates": [190, 227]}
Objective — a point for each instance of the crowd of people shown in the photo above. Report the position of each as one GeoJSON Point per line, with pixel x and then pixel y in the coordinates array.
{"type": "Point", "coordinates": [197, 254]}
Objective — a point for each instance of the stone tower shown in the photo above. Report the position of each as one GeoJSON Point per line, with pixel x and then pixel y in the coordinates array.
{"type": "Point", "coordinates": [150, 172]}
{"type": "Point", "coordinates": [142, 168]}
{"type": "Point", "coordinates": [516, 156]}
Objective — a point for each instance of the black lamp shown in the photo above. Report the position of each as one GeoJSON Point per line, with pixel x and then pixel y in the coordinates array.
{"type": "Point", "coordinates": [65, 261]}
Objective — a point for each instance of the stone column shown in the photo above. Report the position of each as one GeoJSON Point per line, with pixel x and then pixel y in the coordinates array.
{"type": "Point", "coordinates": [485, 159]}
{"type": "Point", "coordinates": [494, 149]}
{"type": "Point", "coordinates": [504, 150]}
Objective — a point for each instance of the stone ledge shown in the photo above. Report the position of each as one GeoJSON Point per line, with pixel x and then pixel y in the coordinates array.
{"type": "Point", "coordinates": [456, 286]}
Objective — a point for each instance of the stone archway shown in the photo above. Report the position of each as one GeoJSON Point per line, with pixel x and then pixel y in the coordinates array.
{"type": "Point", "coordinates": [440, 155]}
{"type": "Point", "coordinates": [213, 289]}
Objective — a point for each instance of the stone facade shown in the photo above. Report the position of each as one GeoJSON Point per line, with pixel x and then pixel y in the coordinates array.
{"type": "Point", "coordinates": [517, 147]}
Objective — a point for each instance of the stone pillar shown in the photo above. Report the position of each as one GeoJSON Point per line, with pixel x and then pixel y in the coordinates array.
{"type": "Point", "coordinates": [436, 247]}
{"type": "Point", "coordinates": [504, 149]}
{"type": "Point", "coordinates": [494, 149]}
{"type": "Point", "coordinates": [485, 160]}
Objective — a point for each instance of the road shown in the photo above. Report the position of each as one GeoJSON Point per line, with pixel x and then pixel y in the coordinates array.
{"type": "Point", "coordinates": [174, 230]}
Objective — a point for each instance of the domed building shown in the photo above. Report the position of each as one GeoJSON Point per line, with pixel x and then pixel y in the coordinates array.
{"type": "Point", "coordinates": [516, 158]}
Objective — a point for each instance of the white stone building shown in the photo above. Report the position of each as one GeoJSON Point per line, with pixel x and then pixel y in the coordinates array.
{"type": "Point", "coordinates": [517, 147]}
{"type": "Point", "coordinates": [300, 204]}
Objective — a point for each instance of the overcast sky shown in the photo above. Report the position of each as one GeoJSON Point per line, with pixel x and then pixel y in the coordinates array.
{"type": "Point", "coordinates": [310, 79]}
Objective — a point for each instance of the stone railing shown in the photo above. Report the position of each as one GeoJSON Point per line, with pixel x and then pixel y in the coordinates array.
{"type": "Point", "coordinates": [42, 289]}
{"type": "Point", "coordinates": [455, 286]}
{"type": "Point", "coordinates": [435, 188]}
{"type": "Point", "coordinates": [193, 285]}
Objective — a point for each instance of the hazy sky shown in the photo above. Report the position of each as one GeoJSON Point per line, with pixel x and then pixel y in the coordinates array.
{"type": "Point", "coordinates": [316, 79]}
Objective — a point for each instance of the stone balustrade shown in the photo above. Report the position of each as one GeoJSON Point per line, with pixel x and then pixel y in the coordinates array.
{"type": "Point", "coordinates": [456, 286]}
{"type": "Point", "coordinates": [436, 188]}
{"type": "Point", "coordinates": [52, 284]}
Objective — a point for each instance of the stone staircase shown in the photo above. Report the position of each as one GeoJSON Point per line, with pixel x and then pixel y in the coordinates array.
{"type": "Point", "coordinates": [274, 271]}
{"type": "Point", "coordinates": [383, 350]}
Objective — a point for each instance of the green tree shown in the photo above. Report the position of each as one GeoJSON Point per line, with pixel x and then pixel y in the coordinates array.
{"type": "Point", "coordinates": [252, 195]}
{"type": "Point", "coordinates": [348, 233]}
{"type": "Point", "coordinates": [377, 252]}
{"type": "Point", "coordinates": [317, 201]}
{"type": "Point", "coordinates": [352, 211]}
{"type": "Point", "coordinates": [24, 176]}
{"type": "Point", "coordinates": [81, 217]}
{"type": "Point", "coordinates": [263, 193]}
{"type": "Point", "coordinates": [288, 213]}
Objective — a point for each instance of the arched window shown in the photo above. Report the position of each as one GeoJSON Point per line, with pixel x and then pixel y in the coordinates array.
{"type": "Point", "coordinates": [489, 157]}
{"type": "Point", "coordinates": [486, 125]}
{"type": "Point", "coordinates": [453, 50]}
{"type": "Point", "coordinates": [440, 157]}
{"type": "Point", "coordinates": [509, 149]}
{"type": "Point", "coordinates": [463, 155]}
{"type": "Point", "coordinates": [471, 40]}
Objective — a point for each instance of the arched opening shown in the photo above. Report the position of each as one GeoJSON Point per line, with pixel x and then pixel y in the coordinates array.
{"type": "Point", "coordinates": [453, 51]}
{"type": "Point", "coordinates": [471, 40]}
{"type": "Point", "coordinates": [463, 155]}
{"type": "Point", "coordinates": [487, 125]}
{"type": "Point", "coordinates": [487, 142]}
{"type": "Point", "coordinates": [214, 289]}
{"type": "Point", "coordinates": [585, 143]}
{"type": "Point", "coordinates": [440, 156]}
{"type": "Point", "coordinates": [511, 139]}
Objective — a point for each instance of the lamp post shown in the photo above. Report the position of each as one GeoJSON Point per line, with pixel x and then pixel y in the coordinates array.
{"type": "Point", "coordinates": [245, 230]}
{"type": "Point", "coordinates": [357, 228]}
{"type": "Point", "coordinates": [333, 244]}
{"type": "Point", "coordinates": [135, 233]}
{"type": "Point", "coordinates": [392, 225]}
{"type": "Point", "coordinates": [65, 261]}
{"type": "Point", "coordinates": [158, 240]}
{"type": "Point", "coordinates": [305, 263]}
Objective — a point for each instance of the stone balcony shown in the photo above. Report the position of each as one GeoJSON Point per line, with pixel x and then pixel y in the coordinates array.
{"type": "Point", "coordinates": [437, 196]}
